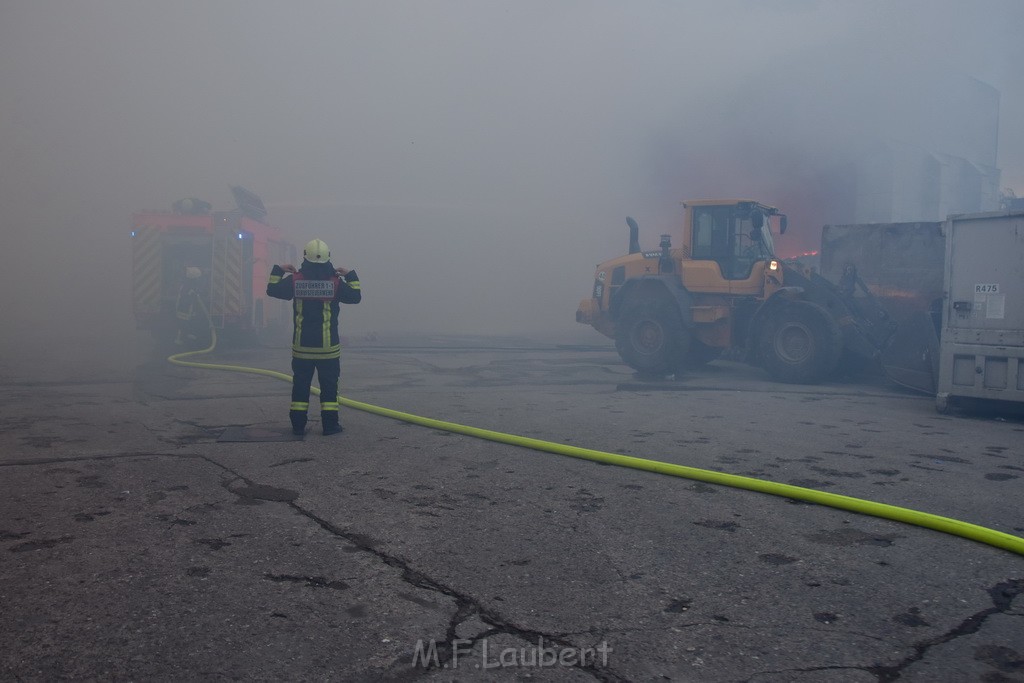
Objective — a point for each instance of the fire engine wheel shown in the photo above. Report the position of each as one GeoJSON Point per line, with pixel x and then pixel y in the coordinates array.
{"type": "Point", "coordinates": [651, 339]}
{"type": "Point", "coordinates": [800, 343]}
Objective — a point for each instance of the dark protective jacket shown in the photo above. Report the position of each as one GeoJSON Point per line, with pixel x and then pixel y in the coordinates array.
{"type": "Point", "coordinates": [316, 293]}
{"type": "Point", "coordinates": [185, 306]}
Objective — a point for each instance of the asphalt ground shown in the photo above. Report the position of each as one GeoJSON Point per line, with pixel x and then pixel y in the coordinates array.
{"type": "Point", "coordinates": [144, 538]}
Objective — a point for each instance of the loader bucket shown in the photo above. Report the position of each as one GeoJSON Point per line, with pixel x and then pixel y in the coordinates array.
{"type": "Point", "coordinates": [901, 267]}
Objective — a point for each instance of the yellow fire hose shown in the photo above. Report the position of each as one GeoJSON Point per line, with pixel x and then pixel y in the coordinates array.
{"type": "Point", "coordinates": [998, 539]}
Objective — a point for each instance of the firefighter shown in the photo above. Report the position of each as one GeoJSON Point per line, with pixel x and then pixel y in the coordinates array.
{"type": "Point", "coordinates": [186, 308]}
{"type": "Point", "coordinates": [316, 291]}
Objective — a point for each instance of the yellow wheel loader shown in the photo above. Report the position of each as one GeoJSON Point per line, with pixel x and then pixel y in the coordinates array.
{"type": "Point", "coordinates": [724, 289]}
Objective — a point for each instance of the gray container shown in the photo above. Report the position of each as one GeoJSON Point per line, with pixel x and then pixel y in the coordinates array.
{"type": "Point", "coordinates": [981, 348]}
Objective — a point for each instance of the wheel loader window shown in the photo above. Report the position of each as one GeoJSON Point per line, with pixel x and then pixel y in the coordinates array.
{"type": "Point", "coordinates": [720, 235]}
{"type": "Point", "coordinates": [711, 233]}
{"type": "Point", "coordinates": [702, 237]}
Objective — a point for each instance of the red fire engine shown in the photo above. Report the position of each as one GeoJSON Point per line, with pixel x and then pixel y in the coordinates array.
{"type": "Point", "coordinates": [227, 256]}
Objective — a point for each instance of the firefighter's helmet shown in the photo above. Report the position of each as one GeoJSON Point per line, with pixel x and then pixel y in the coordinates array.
{"type": "Point", "coordinates": [317, 252]}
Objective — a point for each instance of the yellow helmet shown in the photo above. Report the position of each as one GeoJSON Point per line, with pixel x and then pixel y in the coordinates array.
{"type": "Point", "coordinates": [317, 252]}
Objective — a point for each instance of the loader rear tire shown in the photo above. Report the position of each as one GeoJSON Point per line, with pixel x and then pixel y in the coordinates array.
{"type": "Point", "coordinates": [650, 337]}
{"type": "Point", "coordinates": [800, 343]}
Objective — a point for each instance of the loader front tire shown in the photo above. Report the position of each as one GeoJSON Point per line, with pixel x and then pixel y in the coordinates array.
{"type": "Point", "coordinates": [650, 337]}
{"type": "Point", "coordinates": [800, 343]}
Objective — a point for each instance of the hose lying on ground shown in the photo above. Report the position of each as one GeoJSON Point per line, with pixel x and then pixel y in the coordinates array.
{"type": "Point", "coordinates": [998, 539]}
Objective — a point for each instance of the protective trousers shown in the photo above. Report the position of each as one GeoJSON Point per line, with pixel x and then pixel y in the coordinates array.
{"type": "Point", "coordinates": [327, 371]}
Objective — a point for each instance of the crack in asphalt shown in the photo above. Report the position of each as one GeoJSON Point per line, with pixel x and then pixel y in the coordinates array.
{"type": "Point", "coordinates": [810, 669]}
{"type": "Point", "coordinates": [115, 456]}
{"type": "Point", "coordinates": [717, 623]}
{"type": "Point", "coordinates": [1002, 594]}
{"type": "Point", "coordinates": [466, 606]}
{"type": "Point", "coordinates": [312, 581]}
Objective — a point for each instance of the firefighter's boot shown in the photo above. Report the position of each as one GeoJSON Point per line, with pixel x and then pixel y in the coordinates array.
{"type": "Point", "coordinates": [329, 419]}
{"type": "Point", "coordinates": [298, 418]}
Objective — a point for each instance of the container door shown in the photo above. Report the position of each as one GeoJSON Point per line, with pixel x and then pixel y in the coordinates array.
{"type": "Point", "coordinates": [985, 274]}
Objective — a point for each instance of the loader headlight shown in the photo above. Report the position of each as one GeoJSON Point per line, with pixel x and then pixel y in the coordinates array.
{"type": "Point", "coordinates": [773, 265]}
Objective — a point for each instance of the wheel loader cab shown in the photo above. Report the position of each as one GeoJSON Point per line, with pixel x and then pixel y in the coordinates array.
{"type": "Point", "coordinates": [729, 244]}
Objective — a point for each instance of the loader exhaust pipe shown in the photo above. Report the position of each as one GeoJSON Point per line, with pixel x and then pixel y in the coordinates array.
{"type": "Point", "coordinates": [634, 236]}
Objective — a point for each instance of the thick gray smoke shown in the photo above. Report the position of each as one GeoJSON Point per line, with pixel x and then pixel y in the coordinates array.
{"type": "Point", "coordinates": [472, 160]}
